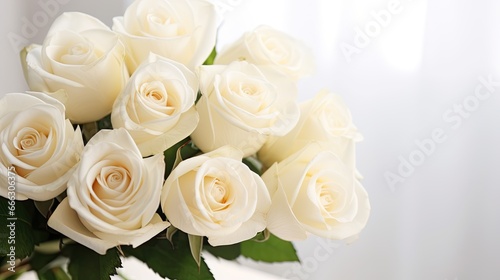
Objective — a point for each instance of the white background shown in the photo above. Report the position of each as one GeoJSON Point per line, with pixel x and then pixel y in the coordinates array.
{"type": "Point", "coordinates": [443, 221]}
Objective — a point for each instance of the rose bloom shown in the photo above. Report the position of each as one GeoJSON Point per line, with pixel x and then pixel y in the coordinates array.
{"type": "Point", "coordinates": [217, 196]}
{"type": "Point", "coordinates": [81, 63]}
{"type": "Point", "coordinates": [181, 30]}
{"type": "Point", "coordinates": [242, 105]}
{"type": "Point", "coordinates": [324, 118]}
{"type": "Point", "coordinates": [157, 105]}
{"type": "Point", "coordinates": [314, 192]}
{"type": "Point", "coordinates": [113, 195]}
{"type": "Point", "coordinates": [41, 145]}
{"type": "Point", "coordinates": [268, 46]}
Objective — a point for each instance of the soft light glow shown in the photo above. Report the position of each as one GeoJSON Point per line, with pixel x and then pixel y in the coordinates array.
{"type": "Point", "coordinates": [401, 43]}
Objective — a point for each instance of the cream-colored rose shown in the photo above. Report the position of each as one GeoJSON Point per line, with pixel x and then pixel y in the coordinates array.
{"type": "Point", "coordinates": [314, 192]}
{"type": "Point", "coordinates": [184, 31]}
{"type": "Point", "coordinates": [81, 63]}
{"type": "Point", "coordinates": [268, 46]}
{"type": "Point", "coordinates": [324, 118]}
{"type": "Point", "coordinates": [217, 196]}
{"type": "Point", "coordinates": [157, 105]}
{"type": "Point", "coordinates": [39, 143]}
{"type": "Point", "coordinates": [242, 105]}
{"type": "Point", "coordinates": [113, 195]}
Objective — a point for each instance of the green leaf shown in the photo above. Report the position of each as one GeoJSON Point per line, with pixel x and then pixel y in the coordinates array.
{"type": "Point", "coordinates": [262, 236]}
{"type": "Point", "coordinates": [173, 262]}
{"type": "Point", "coordinates": [171, 230]}
{"type": "Point", "coordinates": [88, 130]}
{"type": "Point", "coordinates": [55, 273]}
{"type": "Point", "coordinates": [44, 207]}
{"type": "Point", "coordinates": [210, 59]}
{"type": "Point", "coordinates": [170, 156]}
{"type": "Point", "coordinates": [189, 150]}
{"type": "Point", "coordinates": [105, 123]}
{"type": "Point", "coordinates": [39, 261]}
{"type": "Point", "coordinates": [272, 250]}
{"type": "Point", "coordinates": [198, 96]}
{"type": "Point", "coordinates": [196, 245]}
{"type": "Point", "coordinates": [229, 252]}
{"type": "Point", "coordinates": [86, 264]}
{"type": "Point", "coordinates": [184, 148]}
{"type": "Point", "coordinates": [254, 164]}
{"type": "Point", "coordinates": [13, 276]}
{"type": "Point", "coordinates": [178, 158]}
{"type": "Point", "coordinates": [17, 231]}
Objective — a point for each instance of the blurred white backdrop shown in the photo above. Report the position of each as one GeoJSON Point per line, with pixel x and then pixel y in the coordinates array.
{"type": "Point", "coordinates": [409, 71]}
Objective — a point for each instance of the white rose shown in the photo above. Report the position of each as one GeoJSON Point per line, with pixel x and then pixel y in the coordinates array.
{"type": "Point", "coordinates": [157, 105]}
{"type": "Point", "coordinates": [81, 63]}
{"type": "Point", "coordinates": [314, 192]}
{"type": "Point", "coordinates": [268, 46]}
{"type": "Point", "coordinates": [184, 31]}
{"type": "Point", "coordinates": [217, 196]}
{"type": "Point", "coordinates": [40, 144]}
{"type": "Point", "coordinates": [113, 195]}
{"type": "Point", "coordinates": [242, 104]}
{"type": "Point", "coordinates": [325, 118]}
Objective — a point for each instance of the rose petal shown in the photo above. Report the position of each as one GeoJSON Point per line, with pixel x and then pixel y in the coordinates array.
{"type": "Point", "coordinates": [66, 221]}
{"type": "Point", "coordinates": [281, 221]}
{"type": "Point", "coordinates": [190, 48]}
{"type": "Point", "coordinates": [185, 126]}
{"type": "Point", "coordinates": [75, 21]}
{"type": "Point", "coordinates": [118, 136]}
{"type": "Point", "coordinates": [139, 236]}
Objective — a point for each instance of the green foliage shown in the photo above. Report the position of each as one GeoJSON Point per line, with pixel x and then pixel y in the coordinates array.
{"type": "Point", "coordinates": [273, 249]}
{"type": "Point", "coordinates": [90, 129]}
{"type": "Point", "coordinates": [174, 262]}
{"type": "Point", "coordinates": [229, 252]}
{"type": "Point", "coordinates": [210, 59]}
{"type": "Point", "coordinates": [45, 207]}
{"type": "Point", "coordinates": [54, 273]}
{"type": "Point", "coordinates": [196, 245]}
{"type": "Point", "coordinates": [17, 231]}
{"type": "Point", "coordinates": [185, 149]}
{"type": "Point", "coordinates": [104, 123]}
{"type": "Point", "coordinates": [198, 96]}
{"type": "Point", "coordinates": [14, 276]}
{"type": "Point", "coordinates": [39, 262]}
{"type": "Point", "coordinates": [171, 231]}
{"type": "Point", "coordinates": [253, 164]}
{"type": "Point", "coordinates": [262, 236]}
{"type": "Point", "coordinates": [86, 264]}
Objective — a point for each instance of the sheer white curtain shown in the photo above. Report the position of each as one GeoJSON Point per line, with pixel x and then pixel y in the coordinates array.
{"type": "Point", "coordinates": [416, 74]}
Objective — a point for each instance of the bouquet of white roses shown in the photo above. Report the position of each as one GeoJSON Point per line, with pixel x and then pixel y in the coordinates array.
{"type": "Point", "coordinates": [141, 140]}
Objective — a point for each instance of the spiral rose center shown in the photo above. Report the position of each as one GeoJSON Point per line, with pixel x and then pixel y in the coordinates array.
{"type": "Point", "coordinates": [334, 120]}
{"type": "Point", "coordinates": [278, 53]}
{"type": "Point", "coordinates": [327, 199]}
{"type": "Point", "coordinates": [114, 179]}
{"type": "Point", "coordinates": [110, 181]}
{"type": "Point", "coordinates": [249, 89]}
{"type": "Point", "coordinates": [157, 19]}
{"type": "Point", "coordinates": [80, 52]}
{"type": "Point", "coordinates": [253, 95]}
{"type": "Point", "coordinates": [156, 94]}
{"type": "Point", "coordinates": [218, 193]}
{"type": "Point", "coordinates": [163, 25]}
{"type": "Point", "coordinates": [79, 49]}
{"type": "Point", "coordinates": [29, 140]}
